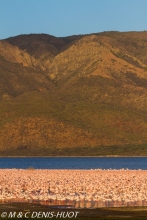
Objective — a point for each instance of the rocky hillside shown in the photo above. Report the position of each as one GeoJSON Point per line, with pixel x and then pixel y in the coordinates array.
{"type": "Point", "coordinates": [76, 95]}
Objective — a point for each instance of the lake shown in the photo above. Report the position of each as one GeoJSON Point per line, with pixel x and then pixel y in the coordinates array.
{"type": "Point", "coordinates": [74, 162]}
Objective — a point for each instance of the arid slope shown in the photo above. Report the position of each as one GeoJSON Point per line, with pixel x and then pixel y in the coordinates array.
{"type": "Point", "coordinates": [77, 95]}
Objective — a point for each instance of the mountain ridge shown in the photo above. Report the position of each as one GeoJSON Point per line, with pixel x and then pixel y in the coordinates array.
{"type": "Point", "coordinates": [75, 95]}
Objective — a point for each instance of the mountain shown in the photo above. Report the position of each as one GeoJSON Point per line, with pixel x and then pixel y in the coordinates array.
{"type": "Point", "coordinates": [75, 95]}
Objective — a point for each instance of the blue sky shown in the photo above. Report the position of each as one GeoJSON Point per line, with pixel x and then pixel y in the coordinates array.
{"type": "Point", "coordinates": [69, 17]}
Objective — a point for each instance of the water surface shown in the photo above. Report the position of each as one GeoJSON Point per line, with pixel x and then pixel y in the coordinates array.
{"type": "Point", "coordinates": [74, 162]}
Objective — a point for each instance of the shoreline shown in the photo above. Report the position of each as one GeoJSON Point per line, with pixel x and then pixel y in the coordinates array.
{"type": "Point", "coordinates": [108, 156]}
{"type": "Point", "coordinates": [80, 204]}
{"type": "Point", "coordinates": [128, 213]}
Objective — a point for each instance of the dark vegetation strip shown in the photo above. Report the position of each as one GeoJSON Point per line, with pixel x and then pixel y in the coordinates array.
{"type": "Point", "coordinates": [127, 150]}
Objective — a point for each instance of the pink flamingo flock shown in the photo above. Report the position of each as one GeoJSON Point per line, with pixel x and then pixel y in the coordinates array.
{"type": "Point", "coordinates": [77, 188]}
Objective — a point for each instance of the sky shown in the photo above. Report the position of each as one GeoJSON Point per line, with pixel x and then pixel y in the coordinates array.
{"type": "Point", "coordinates": [71, 17]}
